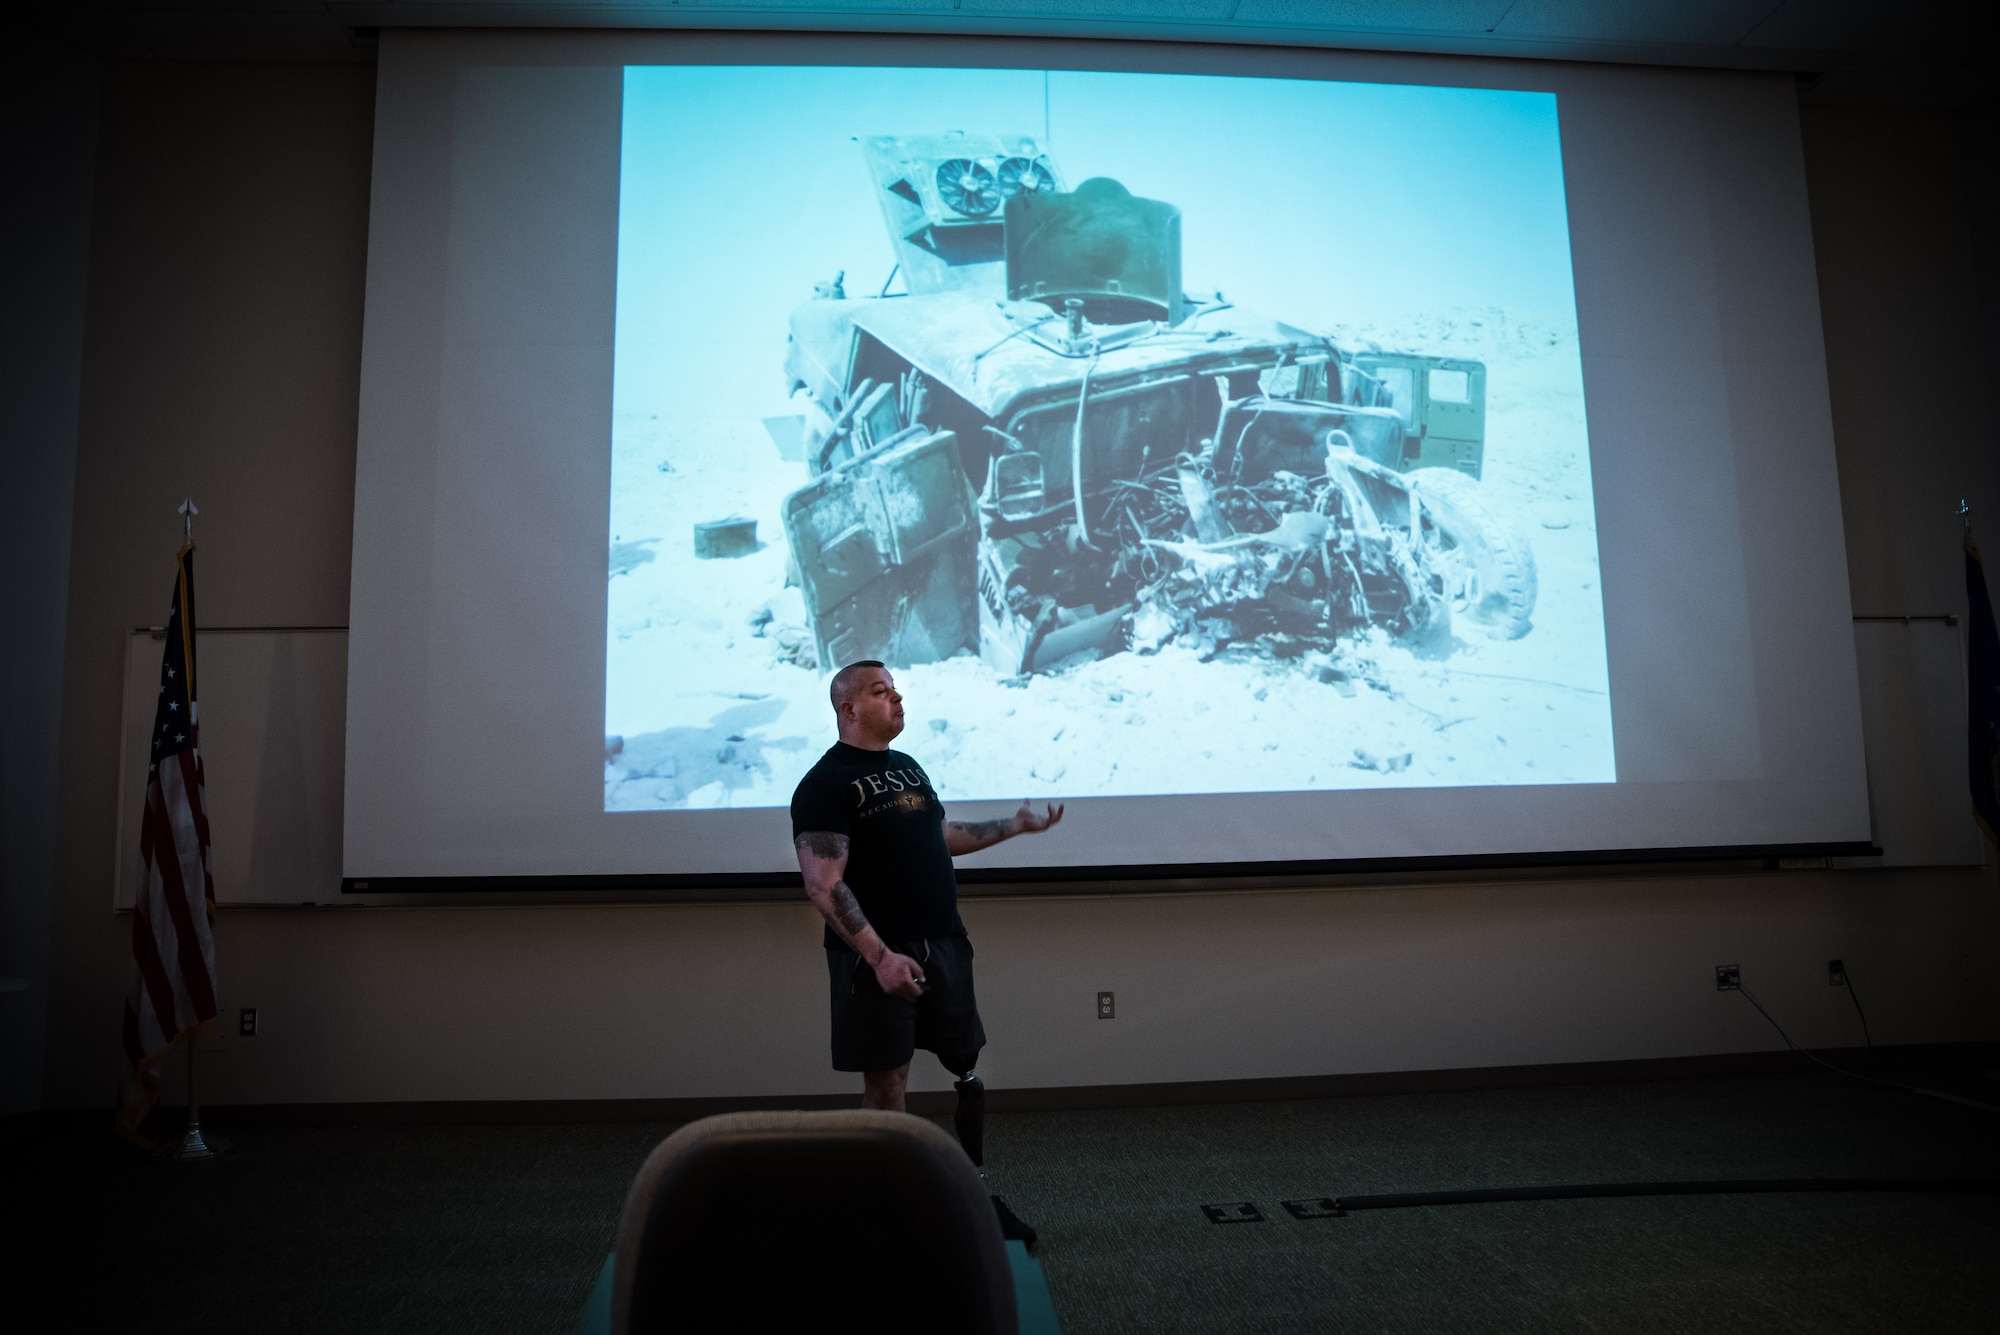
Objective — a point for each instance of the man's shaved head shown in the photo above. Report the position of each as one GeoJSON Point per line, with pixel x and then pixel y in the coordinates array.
{"type": "Point", "coordinates": [849, 680]}
{"type": "Point", "coordinates": [866, 706]}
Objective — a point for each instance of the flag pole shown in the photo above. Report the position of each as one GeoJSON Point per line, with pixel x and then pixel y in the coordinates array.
{"type": "Point", "coordinates": [192, 1146]}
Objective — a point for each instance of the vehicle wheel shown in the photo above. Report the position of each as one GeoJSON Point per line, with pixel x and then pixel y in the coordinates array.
{"type": "Point", "coordinates": [1485, 568]}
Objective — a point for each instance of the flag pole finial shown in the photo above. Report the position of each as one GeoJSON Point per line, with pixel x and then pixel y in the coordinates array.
{"type": "Point", "coordinates": [187, 512]}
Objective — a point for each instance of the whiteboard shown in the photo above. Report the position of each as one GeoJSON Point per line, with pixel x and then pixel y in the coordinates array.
{"type": "Point", "coordinates": [273, 713]}
{"type": "Point", "coordinates": [1913, 731]}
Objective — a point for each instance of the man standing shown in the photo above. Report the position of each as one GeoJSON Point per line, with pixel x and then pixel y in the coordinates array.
{"type": "Point", "coordinates": [876, 851]}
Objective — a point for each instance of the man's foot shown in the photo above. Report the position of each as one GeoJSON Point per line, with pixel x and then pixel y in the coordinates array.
{"type": "Point", "coordinates": [1011, 1226]}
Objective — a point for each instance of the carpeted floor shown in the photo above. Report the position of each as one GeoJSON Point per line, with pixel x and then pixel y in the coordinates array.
{"type": "Point", "coordinates": [1127, 1248]}
{"type": "Point", "coordinates": [501, 1228]}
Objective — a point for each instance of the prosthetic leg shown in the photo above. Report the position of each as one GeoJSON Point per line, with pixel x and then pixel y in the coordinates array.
{"type": "Point", "coordinates": [969, 1121]}
{"type": "Point", "coordinates": [969, 1118]}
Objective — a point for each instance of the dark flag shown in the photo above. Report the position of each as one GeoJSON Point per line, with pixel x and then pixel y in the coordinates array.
{"type": "Point", "coordinates": [1982, 699]}
{"type": "Point", "coordinates": [173, 950]}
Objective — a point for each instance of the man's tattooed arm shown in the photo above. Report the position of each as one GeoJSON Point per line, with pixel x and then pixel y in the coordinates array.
{"type": "Point", "coordinates": [823, 844]}
{"type": "Point", "coordinates": [822, 862]}
{"type": "Point", "coordinates": [961, 837]}
{"type": "Point", "coordinates": [822, 859]}
{"type": "Point", "coordinates": [847, 914]}
{"type": "Point", "coordinates": [969, 836]}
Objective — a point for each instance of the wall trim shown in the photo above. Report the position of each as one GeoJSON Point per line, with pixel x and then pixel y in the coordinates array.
{"type": "Point", "coordinates": [1882, 1062]}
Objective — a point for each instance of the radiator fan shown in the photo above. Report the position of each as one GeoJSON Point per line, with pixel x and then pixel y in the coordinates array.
{"type": "Point", "coordinates": [1025, 176]}
{"type": "Point", "coordinates": [967, 187]}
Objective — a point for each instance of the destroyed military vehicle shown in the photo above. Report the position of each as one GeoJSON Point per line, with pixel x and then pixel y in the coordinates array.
{"type": "Point", "coordinates": [1047, 451]}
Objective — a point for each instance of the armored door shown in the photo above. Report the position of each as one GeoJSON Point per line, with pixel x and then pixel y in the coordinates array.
{"type": "Point", "coordinates": [884, 545]}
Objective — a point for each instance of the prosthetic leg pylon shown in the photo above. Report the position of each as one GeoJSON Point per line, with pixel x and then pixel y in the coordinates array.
{"type": "Point", "coordinates": [969, 1118]}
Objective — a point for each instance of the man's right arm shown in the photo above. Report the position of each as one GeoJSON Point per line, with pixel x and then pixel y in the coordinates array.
{"type": "Point", "coordinates": [823, 861]}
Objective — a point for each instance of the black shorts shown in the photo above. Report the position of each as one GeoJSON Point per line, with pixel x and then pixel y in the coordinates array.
{"type": "Point", "coordinates": [873, 1031]}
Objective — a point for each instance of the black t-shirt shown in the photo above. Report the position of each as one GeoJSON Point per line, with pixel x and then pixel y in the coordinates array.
{"type": "Point", "coordinates": [897, 864]}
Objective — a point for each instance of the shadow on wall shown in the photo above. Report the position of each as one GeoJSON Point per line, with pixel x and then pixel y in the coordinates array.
{"type": "Point", "coordinates": [667, 768]}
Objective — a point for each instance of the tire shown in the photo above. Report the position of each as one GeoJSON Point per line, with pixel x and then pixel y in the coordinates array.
{"type": "Point", "coordinates": [1484, 566]}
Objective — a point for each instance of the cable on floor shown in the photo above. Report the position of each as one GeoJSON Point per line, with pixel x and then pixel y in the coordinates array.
{"type": "Point", "coordinates": [1847, 981]}
{"type": "Point", "coordinates": [1407, 1199]}
{"type": "Point", "coordinates": [1856, 1075]}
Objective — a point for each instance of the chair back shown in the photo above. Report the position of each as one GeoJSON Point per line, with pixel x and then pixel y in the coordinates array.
{"type": "Point", "coordinates": [810, 1220]}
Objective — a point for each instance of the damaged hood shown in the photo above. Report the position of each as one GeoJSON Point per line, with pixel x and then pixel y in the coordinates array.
{"type": "Point", "coordinates": [986, 350]}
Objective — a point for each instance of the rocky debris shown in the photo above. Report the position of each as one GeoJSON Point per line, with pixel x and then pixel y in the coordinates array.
{"type": "Point", "coordinates": [795, 646]}
{"type": "Point", "coordinates": [1386, 761]}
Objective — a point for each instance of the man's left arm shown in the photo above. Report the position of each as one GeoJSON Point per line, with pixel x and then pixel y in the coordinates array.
{"type": "Point", "coordinates": [962, 837]}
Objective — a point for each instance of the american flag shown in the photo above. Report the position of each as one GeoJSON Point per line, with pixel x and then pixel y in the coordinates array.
{"type": "Point", "coordinates": [173, 948]}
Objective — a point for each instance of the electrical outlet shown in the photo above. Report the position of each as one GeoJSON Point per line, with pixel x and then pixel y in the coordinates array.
{"type": "Point", "coordinates": [1836, 973]}
{"type": "Point", "coordinates": [246, 1022]}
{"type": "Point", "coordinates": [1106, 1009]}
{"type": "Point", "coordinates": [1728, 978]}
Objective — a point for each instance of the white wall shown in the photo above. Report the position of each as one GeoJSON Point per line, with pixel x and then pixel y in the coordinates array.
{"type": "Point", "coordinates": [221, 360]}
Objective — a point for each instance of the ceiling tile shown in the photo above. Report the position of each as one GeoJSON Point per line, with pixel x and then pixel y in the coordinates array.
{"type": "Point", "coordinates": [1827, 25]}
{"type": "Point", "coordinates": [1154, 11]}
{"type": "Point", "coordinates": [206, 34]}
{"type": "Point", "coordinates": [1662, 22]}
{"type": "Point", "coordinates": [1412, 16]}
{"type": "Point", "coordinates": [219, 8]}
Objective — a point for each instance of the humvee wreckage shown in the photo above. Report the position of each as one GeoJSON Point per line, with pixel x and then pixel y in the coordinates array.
{"type": "Point", "coordinates": [1047, 450]}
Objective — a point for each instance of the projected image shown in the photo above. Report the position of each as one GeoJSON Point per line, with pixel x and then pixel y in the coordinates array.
{"type": "Point", "coordinates": [1164, 434]}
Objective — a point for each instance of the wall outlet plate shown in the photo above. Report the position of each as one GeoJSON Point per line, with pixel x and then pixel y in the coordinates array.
{"type": "Point", "coordinates": [1728, 978]}
{"type": "Point", "coordinates": [246, 1022]}
{"type": "Point", "coordinates": [1836, 973]}
{"type": "Point", "coordinates": [1107, 1008]}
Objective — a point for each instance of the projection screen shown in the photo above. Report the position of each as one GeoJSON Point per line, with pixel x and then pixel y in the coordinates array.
{"type": "Point", "coordinates": [1286, 458]}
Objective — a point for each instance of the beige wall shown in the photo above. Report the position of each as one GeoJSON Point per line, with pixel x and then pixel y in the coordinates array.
{"type": "Point", "coordinates": [221, 361]}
